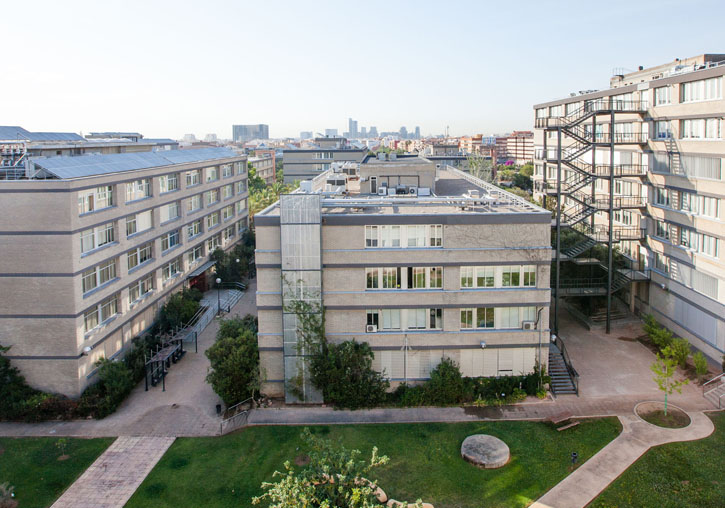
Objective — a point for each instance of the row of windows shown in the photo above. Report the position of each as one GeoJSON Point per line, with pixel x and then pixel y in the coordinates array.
{"type": "Point", "coordinates": [498, 276]}
{"type": "Point", "coordinates": [103, 197]}
{"type": "Point", "coordinates": [688, 202]}
{"type": "Point", "coordinates": [108, 308]}
{"type": "Point", "coordinates": [473, 318]}
{"type": "Point", "coordinates": [99, 236]}
{"type": "Point", "coordinates": [411, 277]}
{"type": "Point", "coordinates": [687, 238]}
{"type": "Point", "coordinates": [404, 236]}
{"type": "Point", "coordinates": [687, 275]}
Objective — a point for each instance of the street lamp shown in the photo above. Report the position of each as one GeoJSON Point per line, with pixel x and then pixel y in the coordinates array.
{"type": "Point", "coordinates": [218, 296]}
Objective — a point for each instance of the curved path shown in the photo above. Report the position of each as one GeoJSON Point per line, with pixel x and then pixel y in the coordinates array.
{"type": "Point", "coordinates": [583, 485]}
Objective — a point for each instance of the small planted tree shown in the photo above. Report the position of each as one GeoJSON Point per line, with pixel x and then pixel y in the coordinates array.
{"type": "Point", "coordinates": [700, 365]}
{"type": "Point", "coordinates": [680, 351]}
{"type": "Point", "coordinates": [664, 369]}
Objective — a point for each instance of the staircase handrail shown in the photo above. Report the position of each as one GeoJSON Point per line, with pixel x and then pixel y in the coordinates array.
{"type": "Point", "coordinates": [720, 376]}
{"type": "Point", "coordinates": [573, 374]}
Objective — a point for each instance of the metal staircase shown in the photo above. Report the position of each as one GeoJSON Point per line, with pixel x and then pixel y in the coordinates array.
{"type": "Point", "coordinates": [564, 378]}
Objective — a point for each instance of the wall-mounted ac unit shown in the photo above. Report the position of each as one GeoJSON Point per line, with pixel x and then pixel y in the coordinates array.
{"type": "Point", "coordinates": [391, 191]}
{"type": "Point", "coordinates": [413, 191]}
{"type": "Point", "coordinates": [528, 325]}
{"type": "Point", "coordinates": [371, 328]}
{"type": "Point", "coordinates": [382, 191]}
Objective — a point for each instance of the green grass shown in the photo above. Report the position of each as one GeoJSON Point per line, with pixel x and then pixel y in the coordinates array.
{"type": "Point", "coordinates": [31, 465]}
{"type": "Point", "coordinates": [424, 463]}
{"type": "Point", "coordinates": [674, 475]}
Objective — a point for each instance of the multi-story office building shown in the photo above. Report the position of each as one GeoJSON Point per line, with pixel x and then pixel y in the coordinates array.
{"type": "Point", "coordinates": [420, 262]}
{"type": "Point", "coordinates": [517, 147]}
{"type": "Point", "coordinates": [242, 133]}
{"type": "Point", "coordinates": [93, 245]}
{"type": "Point", "coordinates": [305, 163]}
{"type": "Point", "coordinates": [265, 166]}
{"type": "Point", "coordinates": [641, 169]}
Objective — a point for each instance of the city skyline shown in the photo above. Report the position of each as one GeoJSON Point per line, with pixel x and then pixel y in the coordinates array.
{"type": "Point", "coordinates": [493, 76]}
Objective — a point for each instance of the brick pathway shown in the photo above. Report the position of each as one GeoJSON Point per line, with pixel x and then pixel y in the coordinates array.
{"type": "Point", "coordinates": [114, 476]}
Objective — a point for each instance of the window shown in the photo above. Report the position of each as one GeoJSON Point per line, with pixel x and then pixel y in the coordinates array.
{"type": "Point", "coordinates": [241, 167]}
{"type": "Point", "coordinates": [241, 186]}
{"type": "Point", "coordinates": [322, 155]}
{"type": "Point", "coordinates": [702, 128]}
{"type": "Point", "coordinates": [227, 191]}
{"type": "Point", "coordinates": [193, 203]}
{"type": "Point", "coordinates": [97, 237]}
{"type": "Point", "coordinates": [213, 243]}
{"type": "Point", "coordinates": [662, 95]}
{"type": "Point", "coordinates": [662, 197]}
{"type": "Point", "coordinates": [371, 278]}
{"type": "Point", "coordinates": [228, 234]}
{"type": "Point", "coordinates": [391, 278]}
{"type": "Point", "coordinates": [171, 270]}
{"type": "Point", "coordinates": [212, 197]}
{"type": "Point", "coordinates": [404, 236]}
{"type": "Point", "coordinates": [467, 276]}
{"type": "Point", "coordinates": [373, 318]}
{"type": "Point", "coordinates": [478, 318]}
{"type": "Point", "coordinates": [227, 170]}
{"type": "Point", "coordinates": [390, 236]}
{"type": "Point", "coordinates": [193, 229]}
{"type": "Point", "coordinates": [241, 205]}
{"type": "Point", "coordinates": [139, 255]}
{"type": "Point", "coordinates": [435, 277]}
{"type": "Point", "coordinates": [662, 263]}
{"type": "Point", "coordinates": [212, 174]}
{"type": "Point", "coordinates": [662, 230]}
{"type": "Point", "coordinates": [698, 242]}
{"type": "Point", "coordinates": [509, 317]}
{"type": "Point", "coordinates": [556, 110]}
{"type": "Point", "coordinates": [227, 212]}
{"type": "Point", "coordinates": [466, 319]}
{"type": "Point", "coordinates": [95, 199]}
{"type": "Point", "coordinates": [169, 183]}
{"type": "Point", "coordinates": [138, 189]}
{"type": "Point", "coordinates": [417, 319]}
{"type": "Point", "coordinates": [485, 276]}
{"type": "Point", "coordinates": [416, 236]}
{"type": "Point", "coordinates": [193, 177]}
{"type": "Point", "coordinates": [510, 276]}
{"type": "Point", "coordinates": [141, 288]}
{"type": "Point", "coordinates": [391, 319]}
{"type": "Point", "coordinates": [663, 129]}
{"type": "Point", "coordinates": [436, 235]}
{"type": "Point", "coordinates": [139, 222]}
{"type": "Point", "coordinates": [436, 319]}
{"type": "Point", "coordinates": [170, 212]}
{"type": "Point", "coordinates": [195, 254]}
{"type": "Point", "coordinates": [98, 275]}
{"type": "Point", "coordinates": [529, 272]}
{"type": "Point", "coordinates": [100, 313]}
{"type": "Point", "coordinates": [371, 236]}
{"type": "Point", "coordinates": [212, 220]}
{"type": "Point", "coordinates": [702, 90]}
{"type": "Point", "coordinates": [170, 240]}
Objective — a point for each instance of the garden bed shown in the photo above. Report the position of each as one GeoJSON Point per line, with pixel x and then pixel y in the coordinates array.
{"type": "Point", "coordinates": [654, 413]}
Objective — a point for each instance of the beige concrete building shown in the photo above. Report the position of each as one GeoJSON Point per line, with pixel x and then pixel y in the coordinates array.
{"type": "Point", "coordinates": [420, 262]}
{"type": "Point", "coordinates": [265, 166]}
{"type": "Point", "coordinates": [305, 163]}
{"type": "Point", "coordinates": [91, 246]}
{"type": "Point", "coordinates": [517, 147]}
{"type": "Point", "coordinates": [641, 163]}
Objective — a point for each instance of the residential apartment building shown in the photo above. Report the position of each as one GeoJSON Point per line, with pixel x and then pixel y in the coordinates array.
{"type": "Point", "coordinates": [265, 166]}
{"type": "Point", "coordinates": [316, 158]}
{"type": "Point", "coordinates": [420, 262]}
{"type": "Point", "coordinates": [93, 245]}
{"type": "Point", "coordinates": [242, 133]}
{"type": "Point", "coordinates": [641, 164]}
{"type": "Point", "coordinates": [517, 147]}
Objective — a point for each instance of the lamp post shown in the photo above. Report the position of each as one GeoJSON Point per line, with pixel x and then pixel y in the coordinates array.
{"type": "Point", "coordinates": [538, 326]}
{"type": "Point", "coordinates": [218, 297]}
{"type": "Point", "coordinates": [238, 274]}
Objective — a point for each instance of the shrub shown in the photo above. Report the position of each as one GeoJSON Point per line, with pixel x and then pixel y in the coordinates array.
{"type": "Point", "coordinates": [650, 325]}
{"type": "Point", "coordinates": [115, 382]}
{"type": "Point", "coordinates": [179, 309]}
{"type": "Point", "coordinates": [14, 391]}
{"type": "Point", "coordinates": [445, 385]}
{"type": "Point", "coordinates": [234, 358]}
{"type": "Point", "coordinates": [344, 372]}
{"type": "Point", "coordinates": [700, 364]}
{"type": "Point", "coordinates": [662, 338]}
{"type": "Point", "coordinates": [679, 350]}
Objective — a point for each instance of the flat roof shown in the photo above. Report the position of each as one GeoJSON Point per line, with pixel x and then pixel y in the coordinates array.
{"type": "Point", "coordinates": [17, 133]}
{"type": "Point", "coordinates": [80, 166]}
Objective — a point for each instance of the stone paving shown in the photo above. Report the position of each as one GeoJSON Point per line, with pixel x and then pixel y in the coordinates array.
{"type": "Point", "coordinates": [113, 478]}
{"type": "Point", "coordinates": [591, 478]}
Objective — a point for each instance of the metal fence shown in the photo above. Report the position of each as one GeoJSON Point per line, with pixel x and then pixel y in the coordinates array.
{"type": "Point", "coordinates": [235, 417]}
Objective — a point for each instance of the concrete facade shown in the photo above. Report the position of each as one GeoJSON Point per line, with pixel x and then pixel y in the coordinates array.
{"type": "Point", "coordinates": [53, 280]}
{"type": "Point", "coordinates": [410, 275]}
{"type": "Point", "coordinates": [677, 142]}
{"type": "Point", "coordinates": [305, 163]}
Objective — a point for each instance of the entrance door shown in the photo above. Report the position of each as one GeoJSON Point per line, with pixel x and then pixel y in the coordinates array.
{"type": "Point", "coordinates": [373, 184]}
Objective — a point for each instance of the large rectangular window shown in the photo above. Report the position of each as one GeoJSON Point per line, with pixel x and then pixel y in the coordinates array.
{"type": "Point", "coordinates": [485, 276]}
{"type": "Point", "coordinates": [169, 183]}
{"type": "Point", "coordinates": [195, 254]}
{"type": "Point", "coordinates": [241, 205]}
{"type": "Point", "coordinates": [212, 197]}
{"type": "Point", "coordinates": [227, 212]}
{"type": "Point", "coordinates": [193, 203]}
{"type": "Point", "coordinates": [98, 275]}
{"type": "Point", "coordinates": [227, 170]}
{"type": "Point", "coordinates": [700, 128]}
{"type": "Point", "coordinates": [139, 255]}
{"type": "Point", "coordinates": [171, 269]}
{"type": "Point", "coordinates": [193, 177]}
{"type": "Point", "coordinates": [511, 276]}
{"type": "Point", "coordinates": [141, 288]}
{"type": "Point", "coordinates": [701, 90]}
{"type": "Point", "coordinates": [170, 240]}
{"type": "Point", "coordinates": [662, 95]}
{"type": "Point", "coordinates": [97, 237]}
{"type": "Point", "coordinates": [138, 223]}
{"type": "Point", "coordinates": [212, 220]}
{"type": "Point", "coordinates": [193, 229]}
{"type": "Point", "coordinates": [212, 174]}
{"type": "Point", "coordinates": [170, 212]}
{"type": "Point", "coordinates": [101, 313]}
{"type": "Point", "coordinates": [477, 318]}
{"type": "Point", "coordinates": [405, 319]}
{"type": "Point", "coordinates": [413, 236]}
{"type": "Point", "coordinates": [227, 191]}
{"type": "Point", "coordinates": [213, 243]}
{"type": "Point", "coordinates": [391, 278]}
{"type": "Point", "coordinates": [138, 189]}
{"type": "Point", "coordinates": [95, 199]}
{"type": "Point", "coordinates": [241, 186]}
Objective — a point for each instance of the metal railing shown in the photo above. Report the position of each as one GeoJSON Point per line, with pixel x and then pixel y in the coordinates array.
{"type": "Point", "coordinates": [573, 374]}
{"type": "Point", "coordinates": [714, 388]}
{"type": "Point", "coordinates": [235, 416]}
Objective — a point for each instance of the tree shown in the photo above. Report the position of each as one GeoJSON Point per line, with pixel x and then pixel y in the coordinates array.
{"type": "Point", "coordinates": [679, 350]}
{"type": "Point", "coordinates": [334, 478]}
{"type": "Point", "coordinates": [480, 167]}
{"type": "Point", "coordinates": [700, 364]}
{"type": "Point", "coordinates": [234, 359]}
{"type": "Point", "coordinates": [446, 385]}
{"type": "Point", "coordinates": [664, 369]}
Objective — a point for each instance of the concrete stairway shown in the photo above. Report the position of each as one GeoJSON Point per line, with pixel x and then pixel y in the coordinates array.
{"type": "Point", "coordinates": [561, 382]}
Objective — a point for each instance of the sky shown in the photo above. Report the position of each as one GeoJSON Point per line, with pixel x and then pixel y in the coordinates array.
{"type": "Point", "coordinates": [168, 68]}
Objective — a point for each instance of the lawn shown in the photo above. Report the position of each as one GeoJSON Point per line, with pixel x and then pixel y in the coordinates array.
{"type": "Point", "coordinates": [424, 463]}
{"type": "Point", "coordinates": [674, 475]}
{"type": "Point", "coordinates": [31, 465]}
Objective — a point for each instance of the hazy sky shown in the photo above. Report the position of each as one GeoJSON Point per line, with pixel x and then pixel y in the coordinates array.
{"type": "Point", "coordinates": [166, 68]}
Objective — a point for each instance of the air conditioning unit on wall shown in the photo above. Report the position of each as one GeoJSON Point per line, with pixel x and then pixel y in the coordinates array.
{"type": "Point", "coordinates": [528, 325]}
{"type": "Point", "coordinates": [371, 328]}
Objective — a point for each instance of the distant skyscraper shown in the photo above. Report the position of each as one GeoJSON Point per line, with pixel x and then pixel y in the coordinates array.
{"type": "Point", "coordinates": [363, 132]}
{"type": "Point", "coordinates": [306, 135]}
{"type": "Point", "coordinates": [251, 131]}
{"type": "Point", "coordinates": [189, 138]}
{"type": "Point", "coordinates": [417, 132]}
{"type": "Point", "coordinates": [210, 138]}
{"type": "Point", "coordinates": [403, 132]}
{"type": "Point", "coordinates": [331, 132]}
{"type": "Point", "coordinates": [352, 127]}
{"type": "Point", "coordinates": [373, 132]}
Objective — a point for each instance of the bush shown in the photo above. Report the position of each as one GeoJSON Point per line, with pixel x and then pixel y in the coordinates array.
{"type": "Point", "coordinates": [700, 364]}
{"type": "Point", "coordinates": [345, 374]}
{"type": "Point", "coordinates": [679, 350]}
{"type": "Point", "coordinates": [14, 391]}
{"type": "Point", "coordinates": [446, 385]}
{"type": "Point", "coordinates": [179, 309]}
{"type": "Point", "coordinates": [115, 382]}
{"type": "Point", "coordinates": [234, 358]}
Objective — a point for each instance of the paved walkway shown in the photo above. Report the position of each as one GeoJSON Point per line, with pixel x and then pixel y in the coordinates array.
{"type": "Point", "coordinates": [588, 481]}
{"type": "Point", "coordinates": [113, 478]}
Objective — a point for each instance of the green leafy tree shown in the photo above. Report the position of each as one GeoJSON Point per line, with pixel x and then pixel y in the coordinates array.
{"type": "Point", "coordinates": [234, 359]}
{"type": "Point", "coordinates": [664, 369]}
{"type": "Point", "coordinates": [480, 167]}
{"type": "Point", "coordinates": [334, 478]}
{"type": "Point", "coordinates": [679, 349]}
{"type": "Point", "coordinates": [179, 309]}
{"type": "Point", "coordinates": [446, 385]}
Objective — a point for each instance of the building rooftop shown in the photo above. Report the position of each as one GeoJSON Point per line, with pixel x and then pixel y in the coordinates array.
{"type": "Point", "coordinates": [16, 133]}
{"type": "Point", "coordinates": [81, 166]}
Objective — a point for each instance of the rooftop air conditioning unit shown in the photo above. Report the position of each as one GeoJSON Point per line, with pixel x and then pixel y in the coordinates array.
{"type": "Point", "coordinates": [424, 191]}
{"type": "Point", "coordinates": [382, 191]}
{"type": "Point", "coordinates": [371, 328]}
{"type": "Point", "coordinates": [528, 325]}
{"type": "Point", "coordinates": [391, 191]}
{"type": "Point", "coordinates": [413, 191]}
